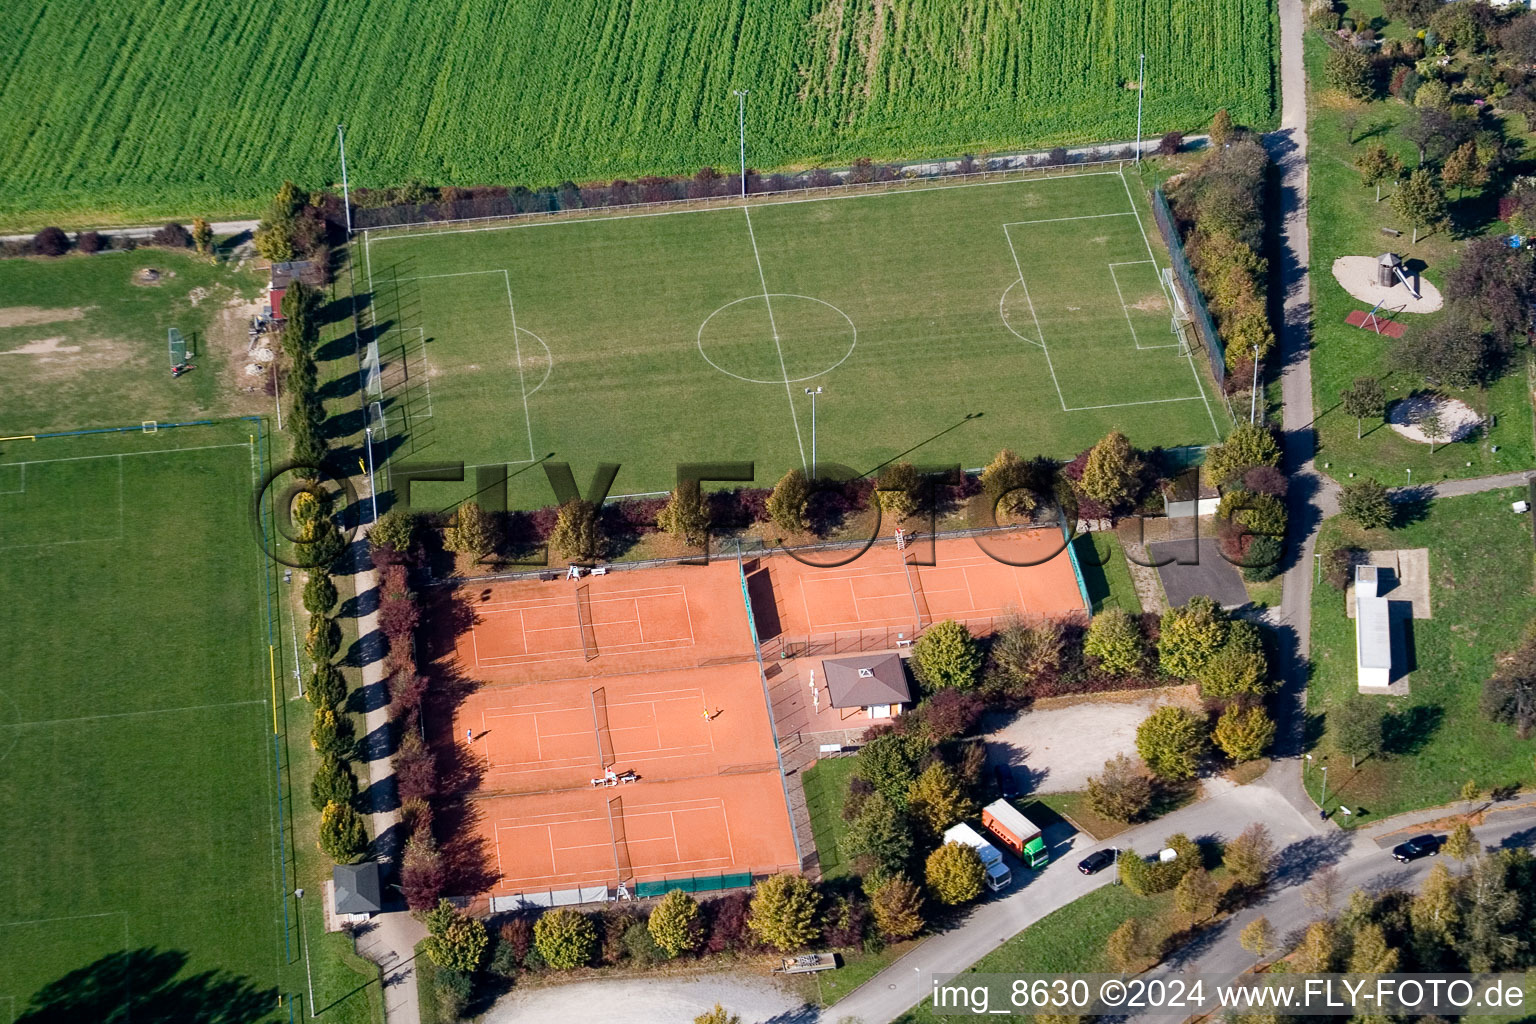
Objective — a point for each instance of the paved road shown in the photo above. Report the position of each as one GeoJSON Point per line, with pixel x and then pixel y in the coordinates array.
{"type": "Point", "coordinates": [221, 229]}
{"type": "Point", "coordinates": [1360, 862]}
{"type": "Point", "coordinates": [1036, 894]}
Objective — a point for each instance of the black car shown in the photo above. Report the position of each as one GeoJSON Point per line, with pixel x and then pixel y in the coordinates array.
{"type": "Point", "coordinates": [1007, 788]}
{"type": "Point", "coordinates": [1097, 861]}
{"type": "Point", "coordinates": [1418, 846]}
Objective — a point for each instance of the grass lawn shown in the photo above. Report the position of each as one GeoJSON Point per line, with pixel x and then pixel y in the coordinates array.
{"type": "Point", "coordinates": [83, 341]}
{"type": "Point", "coordinates": [1480, 564]}
{"type": "Point", "coordinates": [649, 340]}
{"type": "Point", "coordinates": [1070, 940]}
{"type": "Point", "coordinates": [136, 732]}
{"type": "Point", "coordinates": [1074, 807]}
{"type": "Point", "coordinates": [1346, 221]}
{"type": "Point", "coordinates": [826, 787]}
{"type": "Point", "coordinates": [1106, 572]}
{"type": "Point", "coordinates": [858, 967]}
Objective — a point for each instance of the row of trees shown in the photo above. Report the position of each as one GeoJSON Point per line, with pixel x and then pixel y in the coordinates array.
{"type": "Point", "coordinates": [56, 241]}
{"type": "Point", "coordinates": [783, 914]}
{"type": "Point", "coordinates": [1220, 209]}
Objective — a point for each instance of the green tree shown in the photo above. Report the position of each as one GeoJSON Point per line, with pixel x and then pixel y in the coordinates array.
{"type": "Point", "coordinates": [1376, 165]}
{"type": "Point", "coordinates": [1221, 128]}
{"type": "Point", "coordinates": [686, 514]}
{"type": "Point", "coordinates": [322, 640]}
{"type": "Point", "coordinates": [576, 536]}
{"type": "Point", "coordinates": [331, 733]}
{"type": "Point", "coordinates": [1319, 949]}
{"type": "Point", "coordinates": [319, 593]}
{"type": "Point", "coordinates": [1171, 741]}
{"type": "Point", "coordinates": [880, 832]}
{"type": "Point", "coordinates": [1364, 398]}
{"type": "Point", "coordinates": [455, 941]}
{"type": "Point", "coordinates": [565, 938]}
{"type": "Point", "coordinates": [1258, 938]}
{"type": "Point", "coordinates": [936, 799]}
{"type": "Point", "coordinates": [783, 912]}
{"type": "Point", "coordinates": [787, 504]}
{"type": "Point", "coordinates": [1244, 734]}
{"type": "Point", "coordinates": [1461, 844]}
{"type": "Point", "coordinates": [1349, 70]}
{"type": "Point", "coordinates": [675, 923]}
{"type": "Point", "coordinates": [1008, 483]}
{"type": "Point", "coordinates": [897, 490]}
{"type": "Point", "coordinates": [1433, 426]}
{"type": "Point", "coordinates": [202, 237]}
{"type": "Point", "coordinates": [717, 1015]}
{"type": "Point", "coordinates": [1196, 894]}
{"type": "Point", "coordinates": [1249, 445]}
{"type": "Point", "coordinates": [472, 532]}
{"type": "Point", "coordinates": [1112, 474]}
{"type": "Point", "coordinates": [955, 874]}
{"type": "Point", "coordinates": [1367, 504]}
{"type": "Point", "coordinates": [333, 783]}
{"type": "Point", "coordinates": [1115, 639]}
{"type": "Point", "coordinates": [889, 763]}
{"type": "Point", "coordinates": [947, 655]}
{"type": "Point", "coordinates": [325, 686]}
{"type": "Point", "coordinates": [1191, 636]}
{"type": "Point", "coordinates": [395, 530]}
{"type": "Point", "coordinates": [1420, 201]}
{"type": "Point", "coordinates": [897, 906]}
{"type": "Point", "coordinates": [342, 836]}
{"type": "Point", "coordinates": [1122, 792]}
{"type": "Point", "coordinates": [1356, 727]}
{"type": "Point", "coordinates": [1234, 670]}
{"type": "Point", "coordinates": [1251, 856]}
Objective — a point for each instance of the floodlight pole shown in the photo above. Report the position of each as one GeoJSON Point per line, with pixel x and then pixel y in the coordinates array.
{"type": "Point", "coordinates": [813, 395]}
{"type": "Point", "coordinates": [346, 199]}
{"type": "Point", "coordinates": [1253, 398]}
{"type": "Point", "coordinates": [1141, 91]}
{"type": "Point", "coordinates": [741, 134]}
{"type": "Point", "coordinates": [373, 493]}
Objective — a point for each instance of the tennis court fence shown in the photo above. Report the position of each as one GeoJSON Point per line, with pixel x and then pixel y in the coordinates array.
{"type": "Point", "coordinates": [860, 641]}
{"type": "Point", "coordinates": [645, 888]}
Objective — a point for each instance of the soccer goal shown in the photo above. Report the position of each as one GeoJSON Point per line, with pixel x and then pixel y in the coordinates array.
{"type": "Point", "coordinates": [177, 346]}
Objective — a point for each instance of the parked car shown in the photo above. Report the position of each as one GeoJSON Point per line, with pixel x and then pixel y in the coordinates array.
{"type": "Point", "coordinates": [1007, 788]}
{"type": "Point", "coordinates": [1418, 846]}
{"type": "Point", "coordinates": [1097, 861]}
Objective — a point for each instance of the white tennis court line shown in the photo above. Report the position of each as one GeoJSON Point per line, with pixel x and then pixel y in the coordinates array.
{"type": "Point", "coordinates": [774, 327]}
{"type": "Point", "coordinates": [724, 209]}
{"type": "Point", "coordinates": [1200, 387]}
{"type": "Point", "coordinates": [1127, 309]}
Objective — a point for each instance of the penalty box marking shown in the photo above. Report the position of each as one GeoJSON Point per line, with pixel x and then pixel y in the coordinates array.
{"type": "Point", "coordinates": [405, 360]}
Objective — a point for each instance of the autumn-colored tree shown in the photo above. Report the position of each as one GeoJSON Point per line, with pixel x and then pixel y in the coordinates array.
{"type": "Point", "coordinates": [565, 938]}
{"type": "Point", "coordinates": [1258, 938]}
{"type": "Point", "coordinates": [1250, 857]}
{"type": "Point", "coordinates": [1369, 953]}
{"type": "Point", "coordinates": [1196, 894]}
{"type": "Point", "coordinates": [1122, 792]}
{"type": "Point", "coordinates": [1249, 445]}
{"type": "Point", "coordinates": [686, 514]}
{"type": "Point", "coordinates": [954, 873]}
{"type": "Point", "coordinates": [455, 941]}
{"type": "Point", "coordinates": [1420, 201]}
{"type": "Point", "coordinates": [787, 504]}
{"type": "Point", "coordinates": [1463, 169]}
{"type": "Point", "coordinates": [1191, 636]}
{"type": "Point", "coordinates": [1007, 483]}
{"type": "Point", "coordinates": [947, 655]}
{"type": "Point", "coordinates": [783, 912]}
{"type": "Point", "coordinates": [1319, 948]}
{"type": "Point", "coordinates": [897, 490]}
{"type": "Point", "coordinates": [1376, 165]}
{"type": "Point", "coordinates": [717, 1015]}
{"type": "Point", "coordinates": [576, 535]}
{"type": "Point", "coordinates": [1461, 843]}
{"type": "Point", "coordinates": [1244, 733]}
{"type": "Point", "coordinates": [1221, 128]}
{"type": "Point", "coordinates": [675, 923]}
{"type": "Point", "coordinates": [342, 835]}
{"type": "Point", "coordinates": [1171, 741]}
{"type": "Point", "coordinates": [1115, 639]}
{"type": "Point", "coordinates": [898, 908]}
{"type": "Point", "coordinates": [936, 799]}
{"type": "Point", "coordinates": [202, 237]}
{"type": "Point", "coordinates": [319, 593]}
{"type": "Point", "coordinates": [473, 531]}
{"type": "Point", "coordinates": [1112, 474]}
{"type": "Point", "coordinates": [1127, 946]}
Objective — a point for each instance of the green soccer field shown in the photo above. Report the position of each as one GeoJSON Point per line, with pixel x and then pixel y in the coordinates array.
{"type": "Point", "coordinates": [661, 338]}
{"type": "Point", "coordinates": [139, 866]}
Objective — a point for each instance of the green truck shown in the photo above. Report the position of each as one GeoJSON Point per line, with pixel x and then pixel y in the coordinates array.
{"type": "Point", "coordinates": [1020, 835]}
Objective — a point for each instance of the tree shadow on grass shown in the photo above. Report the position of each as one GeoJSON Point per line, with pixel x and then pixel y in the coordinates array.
{"type": "Point", "coordinates": [142, 986]}
{"type": "Point", "coordinates": [1408, 731]}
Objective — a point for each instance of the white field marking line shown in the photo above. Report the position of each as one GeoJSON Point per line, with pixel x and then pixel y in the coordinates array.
{"type": "Point", "coordinates": [119, 455]}
{"type": "Point", "coordinates": [1001, 302]}
{"type": "Point", "coordinates": [1043, 347]}
{"type": "Point", "coordinates": [1054, 220]}
{"type": "Point", "coordinates": [22, 466]}
{"type": "Point", "coordinates": [1199, 387]}
{"type": "Point", "coordinates": [1127, 310]}
{"type": "Point", "coordinates": [517, 348]}
{"type": "Point", "coordinates": [69, 917]}
{"type": "Point", "coordinates": [426, 374]}
{"type": "Point", "coordinates": [723, 209]}
{"type": "Point", "coordinates": [774, 327]}
{"type": "Point", "coordinates": [132, 714]}
{"type": "Point", "coordinates": [1144, 401]}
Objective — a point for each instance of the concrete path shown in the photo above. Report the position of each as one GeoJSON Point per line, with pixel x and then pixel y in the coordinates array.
{"type": "Point", "coordinates": [646, 1000]}
{"type": "Point", "coordinates": [221, 229]}
{"type": "Point", "coordinates": [1456, 488]}
{"type": "Point", "coordinates": [390, 939]}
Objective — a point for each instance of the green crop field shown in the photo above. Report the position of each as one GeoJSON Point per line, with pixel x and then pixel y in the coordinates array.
{"type": "Point", "coordinates": [140, 872]}
{"type": "Point", "coordinates": [132, 108]}
{"type": "Point", "coordinates": [692, 337]}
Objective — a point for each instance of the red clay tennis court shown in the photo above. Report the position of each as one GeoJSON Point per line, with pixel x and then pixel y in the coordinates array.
{"type": "Point", "coordinates": [970, 580]}
{"type": "Point", "coordinates": [625, 621]}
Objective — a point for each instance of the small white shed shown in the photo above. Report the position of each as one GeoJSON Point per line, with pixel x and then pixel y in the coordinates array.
{"type": "Point", "coordinates": [1373, 632]}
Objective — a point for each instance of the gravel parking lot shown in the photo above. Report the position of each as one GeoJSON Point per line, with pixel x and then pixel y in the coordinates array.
{"type": "Point", "coordinates": [1054, 750]}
